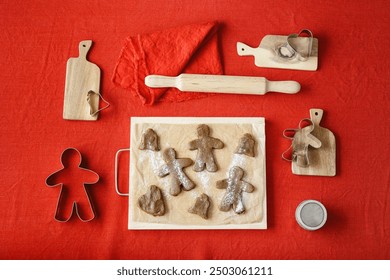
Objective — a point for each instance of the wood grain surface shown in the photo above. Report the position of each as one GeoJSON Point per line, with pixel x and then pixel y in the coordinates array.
{"type": "Point", "coordinates": [265, 55]}
{"type": "Point", "coordinates": [81, 77]}
{"type": "Point", "coordinates": [222, 84]}
{"type": "Point", "coordinates": [322, 160]}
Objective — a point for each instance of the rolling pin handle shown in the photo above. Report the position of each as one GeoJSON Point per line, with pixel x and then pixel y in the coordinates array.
{"type": "Point", "coordinates": [156, 81]}
{"type": "Point", "coordinates": [290, 87]}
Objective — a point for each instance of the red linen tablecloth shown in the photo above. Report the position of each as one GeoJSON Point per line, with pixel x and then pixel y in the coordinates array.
{"type": "Point", "coordinates": [351, 85]}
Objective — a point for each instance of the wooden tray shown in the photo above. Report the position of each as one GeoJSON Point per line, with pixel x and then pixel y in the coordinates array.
{"type": "Point", "coordinates": [177, 133]}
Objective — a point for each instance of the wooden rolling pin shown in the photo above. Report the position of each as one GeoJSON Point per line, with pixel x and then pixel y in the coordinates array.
{"type": "Point", "coordinates": [222, 83]}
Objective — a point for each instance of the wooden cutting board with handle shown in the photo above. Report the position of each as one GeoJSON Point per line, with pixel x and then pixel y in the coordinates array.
{"type": "Point", "coordinates": [265, 54]}
{"type": "Point", "coordinates": [82, 77]}
{"type": "Point", "coordinates": [323, 159]}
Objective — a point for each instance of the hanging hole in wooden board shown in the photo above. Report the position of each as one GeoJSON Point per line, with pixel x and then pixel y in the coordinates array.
{"type": "Point", "coordinates": [316, 113]}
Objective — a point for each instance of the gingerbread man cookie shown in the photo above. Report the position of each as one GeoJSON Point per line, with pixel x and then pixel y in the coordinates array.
{"type": "Point", "coordinates": [150, 141]}
{"type": "Point", "coordinates": [234, 187]}
{"type": "Point", "coordinates": [246, 145]}
{"type": "Point", "coordinates": [205, 145]}
{"type": "Point", "coordinates": [174, 166]}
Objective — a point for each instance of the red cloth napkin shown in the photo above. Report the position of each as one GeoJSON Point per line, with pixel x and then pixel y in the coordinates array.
{"type": "Point", "coordinates": [187, 49]}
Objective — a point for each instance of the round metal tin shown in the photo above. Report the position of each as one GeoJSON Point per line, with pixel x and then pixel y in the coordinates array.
{"type": "Point", "coordinates": [311, 214]}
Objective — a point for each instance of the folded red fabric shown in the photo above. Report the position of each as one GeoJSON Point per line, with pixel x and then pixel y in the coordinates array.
{"type": "Point", "coordinates": [188, 49]}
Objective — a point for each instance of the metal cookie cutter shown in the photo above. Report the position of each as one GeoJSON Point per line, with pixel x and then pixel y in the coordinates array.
{"type": "Point", "coordinates": [294, 51]}
{"type": "Point", "coordinates": [301, 140]}
{"type": "Point", "coordinates": [93, 112]}
{"type": "Point", "coordinates": [313, 150]}
{"type": "Point", "coordinates": [51, 182]}
{"type": "Point", "coordinates": [293, 48]}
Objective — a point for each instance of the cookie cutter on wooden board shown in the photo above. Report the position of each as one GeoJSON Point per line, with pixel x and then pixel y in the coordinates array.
{"type": "Point", "coordinates": [145, 165]}
{"type": "Point", "coordinates": [301, 141]}
{"type": "Point", "coordinates": [286, 52]}
{"type": "Point", "coordinates": [61, 185]}
{"type": "Point", "coordinates": [313, 147]}
{"type": "Point", "coordinates": [82, 87]}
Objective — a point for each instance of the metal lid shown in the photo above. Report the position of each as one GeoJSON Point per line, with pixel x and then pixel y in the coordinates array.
{"type": "Point", "coordinates": [311, 214]}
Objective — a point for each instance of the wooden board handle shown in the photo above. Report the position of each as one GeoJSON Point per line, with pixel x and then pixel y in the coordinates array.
{"type": "Point", "coordinates": [84, 47]}
{"type": "Point", "coordinates": [316, 116]}
{"type": "Point", "coordinates": [244, 50]}
{"type": "Point", "coordinates": [222, 84]}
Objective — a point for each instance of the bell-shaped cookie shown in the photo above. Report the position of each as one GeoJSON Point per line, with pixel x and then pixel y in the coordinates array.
{"type": "Point", "coordinates": [150, 141]}
{"type": "Point", "coordinates": [246, 145]}
{"type": "Point", "coordinates": [201, 206]}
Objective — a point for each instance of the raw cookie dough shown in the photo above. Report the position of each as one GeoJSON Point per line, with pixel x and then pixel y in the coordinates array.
{"type": "Point", "coordinates": [174, 167]}
{"type": "Point", "coordinates": [246, 145]}
{"type": "Point", "coordinates": [205, 145]}
{"type": "Point", "coordinates": [150, 141]}
{"type": "Point", "coordinates": [152, 202]}
{"type": "Point", "coordinates": [234, 187]}
{"type": "Point", "coordinates": [201, 206]}
{"type": "Point", "coordinates": [177, 133]}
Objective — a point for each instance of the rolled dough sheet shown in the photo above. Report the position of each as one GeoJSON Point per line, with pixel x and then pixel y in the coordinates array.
{"type": "Point", "coordinates": [176, 133]}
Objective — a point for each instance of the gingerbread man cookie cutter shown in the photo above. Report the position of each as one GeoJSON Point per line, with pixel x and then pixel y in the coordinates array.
{"type": "Point", "coordinates": [234, 186]}
{"type": "Point", "coordinates": [301, 140]}
{"type": "Point", "coordinates": [61, 185]}
{"type": "Point", "coordinates": [174, 167]}
{"type": "Point", "coordinates": [321, 159]}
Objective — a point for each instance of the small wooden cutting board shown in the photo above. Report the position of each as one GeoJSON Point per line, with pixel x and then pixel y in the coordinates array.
{"type": "Point", "coordinates": [82, 76]}
{"type": "Point", "coordinates": [322, 159]}
{"type": "Point", "coordinates": [265, 53]}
